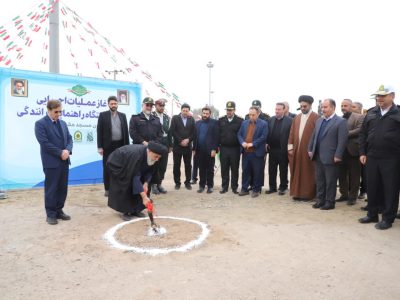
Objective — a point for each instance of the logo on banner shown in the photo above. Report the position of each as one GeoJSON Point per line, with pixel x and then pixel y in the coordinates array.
{"type": "Point", "coordinates": [79, 90]}
{"type": "Point", "coordinates": [78, 136]}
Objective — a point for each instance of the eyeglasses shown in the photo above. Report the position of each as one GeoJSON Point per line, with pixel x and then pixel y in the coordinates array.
{"type": "Point", "coordinates": [149, 104]}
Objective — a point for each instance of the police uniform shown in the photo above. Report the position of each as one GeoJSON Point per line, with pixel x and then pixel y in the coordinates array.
{"type": "Point", "coordinates": [229, 149]}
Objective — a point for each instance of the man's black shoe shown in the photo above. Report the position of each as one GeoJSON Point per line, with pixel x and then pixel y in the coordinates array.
{"type": "Point", "coordinates": [62, 216]}
{"type": "Point", "coordinates": [177, 186]}
{"type": "Point", "coordinates": [365, 208]}
{"type": "Point", "coordinates": [351, 201]}
{"type": "Point", "coordinates": [342, 198]}
{"type": "Point", "coordinates": [281, 192]}
{"type": "Point", "coordinates": [270, 191]}
{"type": "Point", "coordinates": [318, 204]}
{"type": "Point", "coordinates": [200, 190]}
{"type": "Point", "coordinates": [382, 225]}
{"type": "Point", "coordinates": [244, 193]}
{"type": "Point", "coordinates": [210, 190]}
{"type": "Point", "coordinates": [223, 191]}
{"type": "Point", "coordinates": [193, 181]}
{"type": "Point", "coordinates": [235, 191]}
{"type": "Point", "coordinates": [154, 189]}
{"type": "Point", "coordinates": [361, 196]}
{"type": "Point", "coordinates": [368, 219]}
{"type": "Point", "coordinates": [328, 206]}
{"type": "Point", "coordinates": [51, 221]}
{"type": "Point", "coordinates": [126, 216]}
{"type": "Point", "coordinates": [138, 214]}
{"type": "Point", "coordinates": [188, 187]}
{"type": "Point", "coordinates": [161, 189]}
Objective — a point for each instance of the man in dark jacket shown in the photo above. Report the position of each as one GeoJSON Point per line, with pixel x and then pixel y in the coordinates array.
{"type": "Point", "coordinates": [279, 126]}
{"type": "Point", "coordinates": [145, 127]}
{"type": "Point", "coordinates": [380, 152]}
{"type": "Point", "coordinates": [182, 131]}
{"type": "Point", "coordinates": [112, 133]}
{"type": "Point", "coordinates": [206, 146]}
{"type": "Point", "coordinates": [229, 146]}
{"type": "Point", "coordinates": [165, 122]}
{"type": "Point", "coordinates": [131, 168]}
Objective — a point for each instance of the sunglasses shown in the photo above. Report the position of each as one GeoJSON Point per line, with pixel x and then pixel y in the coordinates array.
{"type": "Point", "coordinates": [149, 104]}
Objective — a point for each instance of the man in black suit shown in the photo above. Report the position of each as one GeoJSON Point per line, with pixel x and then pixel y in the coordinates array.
{"type": "Point", "coordinates": [278, 149]}
{"type": "Point", "coordinates": [112, 133]}
{"type": "Point", "coordinates": [182, 130]}
{"type": "Point", "coordinates": [206, 145]}
{"type": "Point", "coordinates": [229, 146]}
{"type": "Point", "coordinates": [55, 149]}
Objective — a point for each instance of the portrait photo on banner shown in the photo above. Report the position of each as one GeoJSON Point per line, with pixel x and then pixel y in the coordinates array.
{"type": "Point", "coordinates": [19, 87]}
{"type": "Point", "coordinates": [123, 97]}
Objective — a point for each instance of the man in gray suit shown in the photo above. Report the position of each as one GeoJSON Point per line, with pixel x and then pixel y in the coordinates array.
{"type": "Point", "coordinates": [326, 147]}
{"type": "Point", "coordinates": [350, 168]}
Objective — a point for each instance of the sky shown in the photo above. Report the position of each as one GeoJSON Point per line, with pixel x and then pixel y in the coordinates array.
{"type": "Point", "coordinates": [267, 50]}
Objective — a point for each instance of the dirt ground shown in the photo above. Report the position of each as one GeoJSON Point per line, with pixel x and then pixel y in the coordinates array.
{"type": "Point", "coordinates": [265, 248]}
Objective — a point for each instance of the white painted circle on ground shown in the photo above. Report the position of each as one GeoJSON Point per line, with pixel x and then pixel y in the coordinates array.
{"type": "Point", "coordinates": [109, 237]}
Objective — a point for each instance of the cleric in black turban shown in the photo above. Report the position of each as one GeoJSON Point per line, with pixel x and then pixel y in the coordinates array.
{"type": "Point", "coordinates": [306, 98]}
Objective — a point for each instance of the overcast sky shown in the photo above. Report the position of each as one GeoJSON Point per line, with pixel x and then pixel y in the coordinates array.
{"type": "Point", "coordinates": [267, 50]}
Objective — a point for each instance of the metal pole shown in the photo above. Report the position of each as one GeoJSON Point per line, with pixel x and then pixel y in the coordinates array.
{"type": "Point", "coordinates": [54, 43]}
{"type": "Point", "coordinates": [210, 65]}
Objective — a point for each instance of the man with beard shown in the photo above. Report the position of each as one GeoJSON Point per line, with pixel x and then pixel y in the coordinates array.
{"type": "Point", "coordinates": [131, 168]}
{"type": "Point", "coordinates": [302, 173]}
{"type": "Point", "coordinates": [145, 127]}
{"type": "Point", "coordinates": [112, 133]}
{"type": "Point", "coordinates": [166, 141]}
{"type": "Point", "coordinates": [206, 145]}
{"type": "Point", "coordinates": [229, 146]}
{"type": "Point", "coordinates": [350, 168]}
{"type": "Point", "coordinates": [279, 126]}
{"type": "Point", "coordinates": [182, 130]}
{"type": "Point", "coordinates": [380, 152]}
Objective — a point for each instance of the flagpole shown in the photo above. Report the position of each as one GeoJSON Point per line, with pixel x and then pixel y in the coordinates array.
{"type": "Point", "coordinates": [54, 42]}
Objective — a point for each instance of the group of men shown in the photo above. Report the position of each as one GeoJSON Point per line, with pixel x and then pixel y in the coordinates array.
{"type": "Point", "coordinates": [319, 151]}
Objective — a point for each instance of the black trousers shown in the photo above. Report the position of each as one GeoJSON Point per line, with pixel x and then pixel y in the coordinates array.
{"type": "Point", "coordinates": [106, 153]}
{"type": "Point", "coordinates": [349, 176]}
{"type": "Point", "coordinates": [206, 169]}
{"type": "Point", "coordinates": [278, 158]}
{"type": "Point", "coordinates": [55, 188]}
{"type": "Point", "coordinates": [162, 167]}
{"type": "Point", "coordinates": [363, 184]}
{"type": "Point", "coordinates": [383, 179]}
{"type": "Point", "coordinates": [230, 160]}
{"type": "Point", "coordinates": [186, 154]}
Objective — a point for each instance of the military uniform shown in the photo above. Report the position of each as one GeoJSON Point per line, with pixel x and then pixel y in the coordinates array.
{"type": "Point", "coordinates": [142, 129]}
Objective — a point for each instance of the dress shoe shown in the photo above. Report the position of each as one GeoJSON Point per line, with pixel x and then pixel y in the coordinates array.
{"type": "Point", "coordinates": [62, 216]}
{"type": "Point", "coordinates": [254, 194]}
{"type": "Point", "coordinates": [398, 215]}
{"type": "Point", "coordinates": [154, 189]}
{"type": "Point", "coordinates": [51, 221]}
{"type": "Point", "coordinates": [188, 187]}
{"type": "Point", "coordinates": [161, 189]}
{"type": "Point", "coordinates": [177, 186]}
{"type": "Point", "coordinates": [193, 181]}
{"type": "Point", "coordinates": [243, 193]}
{"type": "Point", "coordinates": [106, 193]}
{"type": "Point", "coordinates": [351, 201]}
{"type": "Point", "coordinates": [368, 219]}
{"type": "Point", "coordinates": [342, 198]}
{"type": "Point", "coordinates": [270, 191]}
{"type": "Point", "coordinates": [235, 191]}
{"type": "Point", "coordinates": [200, 190]}
{"type": "Point", "coordinates": [223, 191]}
{"type": "Point", "coordinates": [365, 208]}
{"type": "Point", "coordinates": [126, 216]}
{"type": "Point", "coordinates": [210, 190]}
{"type": "Point", "coordinates": [328, 206]}
{"type": "Point", "coordinates": [318, 204]}
{"type": "Point", "coordinates": [139, 214]}
{"type": "Point", "coordinates": [382, 225]}
{"type": "Point", "coordinates": [361, 196]}
{"type": "Point", "coordinates": [281, 192]}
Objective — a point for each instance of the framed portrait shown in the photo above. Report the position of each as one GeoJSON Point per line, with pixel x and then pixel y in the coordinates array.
{"type": "Point", "coordinates": [19, 87]}
{"type": "Point", "coordinates": [123, 97]}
